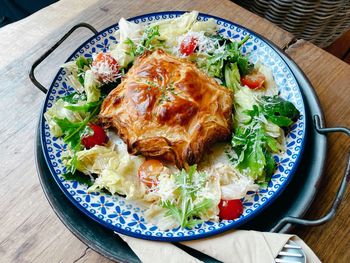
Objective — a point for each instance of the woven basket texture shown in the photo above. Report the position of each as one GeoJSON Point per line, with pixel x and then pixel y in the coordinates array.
{"type": "Point", "coordinates": [319, 21]}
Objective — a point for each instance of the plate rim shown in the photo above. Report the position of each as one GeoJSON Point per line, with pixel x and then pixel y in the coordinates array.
{"type": "Point", "coordinates": [233, 225]}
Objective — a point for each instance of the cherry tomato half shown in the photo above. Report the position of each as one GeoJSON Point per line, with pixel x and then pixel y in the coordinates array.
{"type": "Point", "coordinates": [188, 45]}
{"type": "Point", "coordinates": [254, 80]}
{"type": "Point", "coordinates": [230, 209]}
{"type": "Point", "coordinates": [105, 67]}
{"type": "Point", "coordinates": [99, 137]}
{"type": "Point", "coordinates": [149, 171]}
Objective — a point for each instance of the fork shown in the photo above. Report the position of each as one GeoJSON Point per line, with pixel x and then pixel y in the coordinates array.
{"type": "Point", "coordinates": [291, 253]}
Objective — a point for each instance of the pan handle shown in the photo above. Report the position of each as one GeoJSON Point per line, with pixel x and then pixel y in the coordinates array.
{"type": "Point", "coordinates": [47, 53]}
{"type": "Point", "coordinates": [319, 126]}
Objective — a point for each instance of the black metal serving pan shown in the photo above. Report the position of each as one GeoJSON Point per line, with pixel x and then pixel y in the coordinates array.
{"type": "Point", "coordinates": [288, 209]}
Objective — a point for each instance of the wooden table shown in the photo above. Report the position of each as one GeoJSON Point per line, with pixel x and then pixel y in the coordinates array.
{"type": "Point", "coordinates": [30, 231]}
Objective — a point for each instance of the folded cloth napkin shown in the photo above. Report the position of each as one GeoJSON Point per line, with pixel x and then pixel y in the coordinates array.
{"type": "Point", "coordinates": [237, 246]}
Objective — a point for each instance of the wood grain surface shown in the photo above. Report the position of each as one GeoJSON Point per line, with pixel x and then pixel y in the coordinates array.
{"type": "Point", "coordinates": [30, 231]}
{"type": "Point", "coordinates": [331, 80]}
{"type": "Point", "coordinates": [341, 47]}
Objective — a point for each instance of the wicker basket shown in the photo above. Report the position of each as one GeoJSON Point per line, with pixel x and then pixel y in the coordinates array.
{"type": "Point", "coordinates": [319, 21]}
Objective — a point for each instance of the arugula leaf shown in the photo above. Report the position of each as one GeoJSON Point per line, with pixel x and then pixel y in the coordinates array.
{"type": "Point", "coordinates": [254, 144]}
{"type": "Point", "coordinates": [235, 55]}
{"type": "Point", "coordinates": [201, 207]}
{"type": "Point", "coordinates": [79, 177]}
{"type": "Point", "coordinates": [270, 167]}
{"type": "Point", "coordinates": [149, 41]}
{"type": "Point", "coordinates": [279, 111]}
{"type": "Point", "coordinates": [73, 131]}
{"type": "Point", "coordinates": [255, 112]}
{"type": "Point", "coordinates": [71, 162]}
{"type": "Point", "coordinates": [248, 144]}
{"type": "Point", "coordinates": [244, 65]}
{"type": "Point", "coordinates": [185, 209]}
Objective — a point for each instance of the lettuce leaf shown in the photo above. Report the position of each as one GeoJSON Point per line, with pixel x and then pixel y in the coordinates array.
{"type": "Point", "coordinates": [226, 52]}
{"type": "Point", "coordinates": [188, 208]}
{"type": "Point", "coordinates": [248, 144]}
{"type": "Point", "coordinates": [82, 64]}
{"type": "Point", "coordinates": [279, 111]}
{"type": "Point", "coordinates": [160, 217]}
{"type": "Point", "coordinates": [116, 171]}
{"type": "Point", "coordinates": [74, 131]}
{"type": "Point", "coordinates": [256, 138]}
{"type": "Point", "coordinates": [232, 76]}
{"type": "Point", "coordinates": [76, 72]}
{"type": "Point", "coordinates": [59, 111]}
{"type": "Point", "coordinates": [171, 29]}
{"type": "Point", "coordinates": [270, 88]}
{"type": "Point", "coordinates": [87, 107]}
{"type": "Point", "coordinates": [147, 41]}
{"type": "Point", "coordinates": [128, 30]}
{"type": "Point", "coordinates": [91, 87]}
{"type": "Point", "coordinates": [209, 27]}
{"type": "Point", "coordinates": [128, 33]}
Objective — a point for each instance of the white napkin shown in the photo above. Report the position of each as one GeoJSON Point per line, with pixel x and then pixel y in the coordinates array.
{"type": "Point", "coordinates": [237, 246]}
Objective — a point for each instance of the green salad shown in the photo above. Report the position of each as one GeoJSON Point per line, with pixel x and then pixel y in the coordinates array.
{"type": "Point", "coordinates": [209, 190]}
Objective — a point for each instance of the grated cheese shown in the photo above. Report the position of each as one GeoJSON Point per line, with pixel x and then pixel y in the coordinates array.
{"type": "Point", "coordinates": [105, 71]}
{"type": "Point", "coordinates": [205, 45]}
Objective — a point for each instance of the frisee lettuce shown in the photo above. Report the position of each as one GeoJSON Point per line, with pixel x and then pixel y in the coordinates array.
{"type": "Point", "coordinates": [74, 131]}
{"type": "Point", "coordinates": [58, 110]}
{"type": "Point", "coordinates": [148, 42]}
{"type": "Point", "coordinates": [226, 52]}
{"type": "Point", "coordinates": [184, 209]}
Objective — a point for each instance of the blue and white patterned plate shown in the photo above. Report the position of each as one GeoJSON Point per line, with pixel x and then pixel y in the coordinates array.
{"type": "Point", "coordinates": [126, 217]}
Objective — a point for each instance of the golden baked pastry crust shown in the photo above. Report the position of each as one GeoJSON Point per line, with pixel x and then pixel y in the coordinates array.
{"type": "Point", "coordinates": [168, 109]}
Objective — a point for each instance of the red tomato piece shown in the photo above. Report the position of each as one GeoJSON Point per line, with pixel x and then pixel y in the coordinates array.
{"type": "Point", "coordinates": [105, 67]}
{"type": "Point", "coordinates": [104, 57]}
{"type": "Point", "coordinates": [254, 80]}
{"type": "Point", "coordinates": [230, 209]}
{"type": "Point", "coordinates": [99, 137]}
{"type": "Point", "coordinates": [149, 171]}
{"type": "Point", "coordinates": [188, 45]}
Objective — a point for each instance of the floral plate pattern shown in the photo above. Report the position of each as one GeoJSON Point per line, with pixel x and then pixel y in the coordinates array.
{"type": "Point", "coordinates": [125, 216]}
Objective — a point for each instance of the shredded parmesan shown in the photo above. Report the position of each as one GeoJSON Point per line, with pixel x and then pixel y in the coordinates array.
{"type": "Point", "coordinates": [205, 44]}
{"type": "Point", "coordinates": [105, 71]}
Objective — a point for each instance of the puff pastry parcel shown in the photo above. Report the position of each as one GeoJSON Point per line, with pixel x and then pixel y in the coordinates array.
{"type": "Point", "coordinates": [166, 108]}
